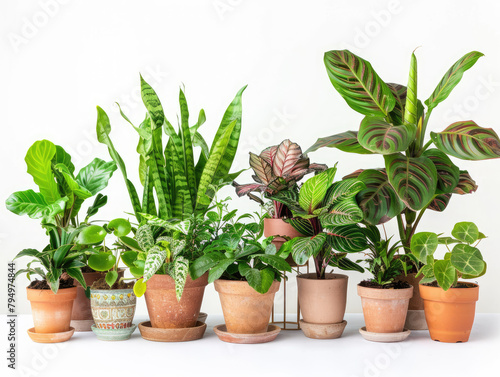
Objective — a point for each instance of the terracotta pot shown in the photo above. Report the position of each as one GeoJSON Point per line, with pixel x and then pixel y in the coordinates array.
{"type": "Point", "coordinates": [384, 309]}
{"type": "Point", "coordinates": [415, 319]}
{"type": "Point", "coordinates": [245, 310]}
{"type": "Point", "coordinates": [450, 314]}
{"type": "Point", "coordinates": [164, 309]}
{"type": "Point", "coordinates": [322, 300]}
{"type": "Point", "coordinates": [51, 312]}
{"type": "Point", "coordinates": [81, 317]}
{"type": "Point", "coordinates": [112, 308]}
{"type": "Point", "coordinates": [278, 227]}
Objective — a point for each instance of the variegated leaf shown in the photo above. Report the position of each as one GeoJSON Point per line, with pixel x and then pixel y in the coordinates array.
{"type": "Point", "coordinates": [399, 92]}
{"type": "Point", "coordinates": [344, 212]}
{"type": "Point", "coordinates": [287, 155]}
{"type": "Point", "coordinates": [263, 170]}
{"type": "Point", "coordinates": [341, 190]}
{"type": "Point", "coordinates": [314, 189]}
{"type": "Point", "coordinates": [345, 141]}
{"type": "Point", "coordinates": [358, 83]}
{"type": "Point", "coordinates": [171, 224]}
{"type": "Point", "coordinates": [305, 247]}
{"type": "Point", "coordinates": [181, 270]}
{"type": "Point", "coordinates": [269, 154]}
{"type": "Point", "coordinates": [413, 178]}
{"type": "Point", "coordinates": [468, 141]}
{"type": "Point", "coordinates": [144, 237]}
{"type": "Point", "coordinates": [467, 259]}
{"type": "Point", "coordinates": [378, 136]}
{"type": "Point", "coordinates": [242, 190]}
{"type": "Point", "coordinates": [440, 202]}
{"type": "Point", "coordinates": [290, 198]}
{"type": "Point", "coordinates": [466, 185]}
{"type": "Point", "coordinates": [154, 260]}
{"type": "Point", "coordinates": [448, 172]}
{"type": "Point", "coordinates": [303, 226]}
{"type": "Point", "coordinates": [347, 239]}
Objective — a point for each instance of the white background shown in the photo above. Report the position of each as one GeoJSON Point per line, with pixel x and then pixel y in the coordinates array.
{"type": "Point", "coordinates": [62, 58]}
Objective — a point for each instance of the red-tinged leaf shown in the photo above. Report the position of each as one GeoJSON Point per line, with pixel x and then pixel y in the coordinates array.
{"type": "Point", "coordinates": [345, 141]}
{"type": "Point", "coordinates": [466, 185]}
{"type": "Point", "coordinates": [242, 190]}
{"type": "Point", "coordinates": [261, 168]}
{"type": "Point", "coordinates": [269, 154]}
{"type": "Point", "coordinates": [440, 202]}
{"type": "Point", "coordinates": [287, 155]}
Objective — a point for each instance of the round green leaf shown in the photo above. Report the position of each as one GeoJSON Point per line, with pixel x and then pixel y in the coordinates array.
{"type": "Point", "coordinates": [139, 288]}
{"type": "Point", "coordinates": [466, 232]}
{"type": "Point", "coordinates": [92, 234]}
{"type": "Point", "coordinates": [102, 261]}
{"type": "Point", "coordinates": [120, 227]}
{"type": "Point", "coordinates": [467, 260]}
{"type": "Point", "coordinates": [424, 244]}
{"type": "Point", "coordinates": [129, 257]}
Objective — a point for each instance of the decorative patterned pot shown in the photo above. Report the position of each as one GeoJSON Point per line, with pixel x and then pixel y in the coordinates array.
{"type": "Point", "coordinates": [112, 309]}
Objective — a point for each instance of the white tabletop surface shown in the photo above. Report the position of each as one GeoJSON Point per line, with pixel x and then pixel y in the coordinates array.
{"type": "Point", "coordinates": [291, 354]}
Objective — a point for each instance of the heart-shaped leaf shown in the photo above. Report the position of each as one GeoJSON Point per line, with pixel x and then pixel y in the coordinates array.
{"type": "Point", "coordinates": [467, 260]}
{"type": "Point", "coordinates": [111, 277]}
{"type": "Point", "coordinates": [378, 136]}
{"type": "Point", "coordinates": [466, 232]}
{"type": "Point", "coordinates": [445, 274]}
{"type": "Point", "coordinates": [423, 245]}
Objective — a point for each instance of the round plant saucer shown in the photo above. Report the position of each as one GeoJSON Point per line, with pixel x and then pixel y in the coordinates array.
{"type": "Point", "coordinates": [114, 334]}
{"type": "Point", "coordinates": [57, 337]}
{"type": "Point", "coordinates": [322, 330]}
{"type": "Point", "coordinates": [384, 337]}
{"type": "Point", "coordinates": [268, 336]}
{"type": "Point", "coordinates": [202, 317]}
{"type": "Point", "coordinates": [185, 334]}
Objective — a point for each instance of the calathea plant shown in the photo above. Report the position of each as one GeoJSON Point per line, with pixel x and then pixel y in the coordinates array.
{"type": "Point", "coordinates": [418, 173]}
{"type": "Point", "coordinates": [327, 214]}
{"type": "Point", "coordinates": [277, 168]}
{"type": "Point", "coordinates": [57, 204]}
{"type": "Point", "coordinates": [463, 260]}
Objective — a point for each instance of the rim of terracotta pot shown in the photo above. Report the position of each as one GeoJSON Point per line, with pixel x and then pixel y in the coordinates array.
{"type": "Point", "coordinates": [63, 294]}
{"type": "Point", "coordinates": [385, 294]}
{"type": "Point", "coordinates": [328, 277]}
{"type": "Point", "coordinates": [104, 291]}
{"type": "Point", "coordinates": [469, 294]}
{"type": "Point", "coordinates": [241, 287]}
{"type": "Point", "coordinates": [167, 282]}
{"type": "Point", "coordinates": [289, 230]}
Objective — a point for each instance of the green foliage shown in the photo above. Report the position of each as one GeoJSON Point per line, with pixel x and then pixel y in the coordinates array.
{"type": "Point", "coordinates": [464, 260]}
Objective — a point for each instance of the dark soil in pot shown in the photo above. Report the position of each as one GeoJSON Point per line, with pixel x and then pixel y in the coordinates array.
{"type": "Point", "coordinates": [393, 285]}
{"type": "Point", "coordinates": [119, 284]}
{"type": "Point", "coordinates": [459, 285]}
{"type": "Point", "coordinates": [64, 282]}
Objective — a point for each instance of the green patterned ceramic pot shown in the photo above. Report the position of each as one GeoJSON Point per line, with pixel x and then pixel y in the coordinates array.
{"type": "Point", "coordinates": [113, 313]}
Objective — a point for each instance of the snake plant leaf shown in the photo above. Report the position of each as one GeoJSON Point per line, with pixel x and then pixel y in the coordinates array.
{"type": "Point", "coordinates": [451, 78]}
{"type": "Point", "coordinates": [303, 226]}
{"type": "Point", "coordinates": [378, 201]}
{"type": "Point", "coordinates": [440, 202]}
{"type": "Point", "coordinates": [155, 259]}
{"type": "Point", "coordinates": [423, 245]}
{"type": "Point", "coordinates": [445, 274]}
{"type": "Point", "coordinates": [413, 178]}
{"type": "Point", "coordinates": [148, 200]}
{"type": "Point", "coordinates": [181, 270]}
{"type": "Point", "coordinates": [314, 189]}
{"type": "Point", "coordinates": [62, 157]}
{"type": "Point", "coordinates": [287, 155]}
{"type": "Point", "coordinates": [344, 212]}
{"type": "Point", "coordinates": [39, 161]}
{"type": "Point", "coordinates": [187, 146]}
{"type": "Point", "coordinates": [358, 83]}
{"type": "Point", "coordinates": [411, 105]}
{"type": "Point", "coordinates": [153, 104]}
{"type": "Point", "coordinates": [34, 205]}
{"type": "Point", "coordinates": [466, 185]}
{"type": "Point", "coordinates": [194, 130]}
{"type": "Point", "coordinates": [378, 136]}
{"type": "Point", "coordinates": [304, 248]}
{"type": "Point", "coordinates": [468, 141]}
{"type": "Point", "coordinates": [92, 234]}
{"type": "Point", "coordinates": [103, 128]}
{"type": "Point", "coordinates": [144, 237]}
{"type": "Point", "coordinates": [467, 260]}
{"type": "Point", "coordinates": [263, 170]}
{"type": "Point", "coordinates": [465, 231]}
{"type": "Point", "coordinates": [102, 261]}
{"type": "Point", "coordinates": [448, 173]}
{"type": "Point", "coordinates": [347, 238]}
{"type": "Point", "coordinates": [95, 176]}
{"type": "Point", "coordinates": [341, 190]}
{"type": "Point", "coordinates": [158, 176]}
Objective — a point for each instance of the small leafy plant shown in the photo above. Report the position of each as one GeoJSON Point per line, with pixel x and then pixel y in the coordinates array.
{"type": "Point", "coordinates": [464, 260]}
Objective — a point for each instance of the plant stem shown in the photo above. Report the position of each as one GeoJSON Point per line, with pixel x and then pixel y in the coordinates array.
{"type": "Point", "coordinates": [417, 221]}
{"type": "Point", "coordinates": [402, 231]}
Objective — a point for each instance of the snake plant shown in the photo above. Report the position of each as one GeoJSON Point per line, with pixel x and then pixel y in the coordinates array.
{"type": "Point", "coordinates": [418, 174]}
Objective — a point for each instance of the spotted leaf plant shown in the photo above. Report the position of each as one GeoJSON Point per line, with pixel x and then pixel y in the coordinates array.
{"type": "Point", "coordinates": [418, 173]}
{"type": "Point", "coordinates": [463, 260]}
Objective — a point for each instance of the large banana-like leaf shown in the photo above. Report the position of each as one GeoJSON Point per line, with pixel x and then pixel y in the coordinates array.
{"type": "Point", "coordinates": [95, 176]}
{"type": "Point", "coordinates": [378, 201]}
{"type": "Point", "coordinates": [358, 83]}
{"type": "Point", "coordinates": [413, 178]}
{"type": "Point", "coordinates": [345, 141]}
{"type": "Point", "coordinates": [411, 105]}
{"type": "Point", "coordinates": [187, 146]}
{"type": "Point", "coordinates": [34, 205]}
{"type": "Point", "coordinates": [314, 190]}
{"type": "Point", "coordinates": [155, 259]}
{"type": "Point", "coordinates": [39, 161]}
{"type": "Point", "coordinates": [378, 136]}
{"type": "Point", "coordinates": [466, 185]}
{"type": "Point", "coordinates": [451, 78]}
{"type": "Point", "coordinates": [287, 155]}
{"type": "Point", "coordinates": [448, 172]}
{"type": "Point", "coordinates": [305, 247]}
{"type": "Point", "coordinates": [468, 141]}
{"type": "Point", "coordinates": [347, 238]}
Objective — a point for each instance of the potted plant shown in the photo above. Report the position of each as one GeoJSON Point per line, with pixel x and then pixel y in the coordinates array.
{"type": "Point", "coordinates": [450, 303]}
{"type": "Point", "coordinates": [277, 168]}
{"type": "Point", "coordinates": [418, 174]}
{"type": "Point", "coordinates": [57, 204]}
{"type": "Point", "coordinates": [327, 214]}
{"type": "Point", "coordinates": [112, 299]}
{"type": "Point", "coordinates": [246, 274]}
{"type": "Point", "coordinates": [384, 298]}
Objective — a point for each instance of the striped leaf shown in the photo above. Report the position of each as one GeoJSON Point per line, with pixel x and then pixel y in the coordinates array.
{"type": "Point", "coordinates": [378, 136]}
{"type": "Point", "coordinates": [95, 176]}
{"type": "Point", "coordinates": [262, 169]}
{"type": "Point", "coordinates": [314, 190]}
{"type": "Point", "coordinates": [289, 198]}
{"type": "Point", "coordinates": [303, 226]}
{"type": "Point", "coordinates": [181, 270]}
{"type": "Point", "coordinates": [468, 141]}
{"type": "Point", "coordinates": [448, 172]}
{"type": "Point", "coordinates": [345, 141]}
{"type": "Point", "coordinates": [347, 239]}
{"type": "Point", "coordinates": [378, 201]}
{"type": "Point", "coordinates": [304, 248]}
{"type": "Point", "coordinates": [179, 196]}
{"type": "Point", "coordinates": [153, 105]}
{"type": "Point", "coordinates": [159, 179]}
{"type": "Point", "coordinates": [358, 83]}
{"type": "Point", "coordinates": [466, 185]}
{"type": "Point", "coordinates": [451, 78]}
{"type": "Point", "coordinates": [269, 154]}
{"type": "Point", "coordinates": [467, 260]}
{"type": "Point", "coordinates": [342, 190]}
{"type": "Point", "coordinates": [287, 155]}
{"type": "Point", "coordinates": [144, 237]}
{"type": "Point", "coordinates": [411, 105]}
{"type": "Point", "coordinates": [187, 146]}
{"type": "Point", "coordinates": [34, 205]}
{"type": "Point", "coordinates": [344, 212]}
{"type": "Point", "coordinates": [154, 260]}
{"type": "Point", "coordinates": [440, 202]}
{"type": "Point", "coordinates": [399, 93]}
{"type": "Point", "coordinates": [413, 178]}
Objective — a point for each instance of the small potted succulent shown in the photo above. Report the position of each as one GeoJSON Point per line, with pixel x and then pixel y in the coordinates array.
{"type": "Point", "coordinates": [327, 215]}
{"type": "Point", "coordinates": [277, 168]}
{"type": "Point", "coordinates": [57, 205]}
{"type": "Point", "coordinates": [112, 300]}
{"type": "Point", "coordinates": [450, 303]}
{"type": "Point", "coordinates": [384, 298]}
{"type": "Point", "coordinates": [246, 274]}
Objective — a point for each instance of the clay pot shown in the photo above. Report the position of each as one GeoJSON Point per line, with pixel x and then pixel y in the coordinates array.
{"type": "Point", "coordinates": [51, 311]}
{"type": "Point", "coordinates": [385, 309]}
{"type": "Point", "coordinates": [112, 308]}
{"type": "Point", "coordinates": [415, 319]}
{"type": "Point", "coordinates": [278, 227]}
{"type": "Point", "coordinates": [450, 314]}
{"type": "Point", "coordinates": [81, 317]}
{"type": "Point", "coordinates": [322, 301]}
{"type": "Point", "coordinates": [245, 310]}
{"type": "Point", "coordinates": [164, 309]}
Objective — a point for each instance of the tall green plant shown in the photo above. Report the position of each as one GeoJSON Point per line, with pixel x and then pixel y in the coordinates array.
{"type": "Point", "coordinates": [418, 173]}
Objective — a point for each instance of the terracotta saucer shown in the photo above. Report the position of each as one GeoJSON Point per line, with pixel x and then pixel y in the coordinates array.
{"type": "Point", "coordinates": [268, 336]}
{"type": "Point", "coordinates": [384, 337]}
{"type": "Point", "coordinates": [202, 317]}
{"type": "Point", "coordinates": [322, 330]}
{"type": "Point", "coordinates": [186, 334]}
{"type": "Point", "coordinates": [57, 337]}
{"type": "Point", "coordinates": [114, 334]}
